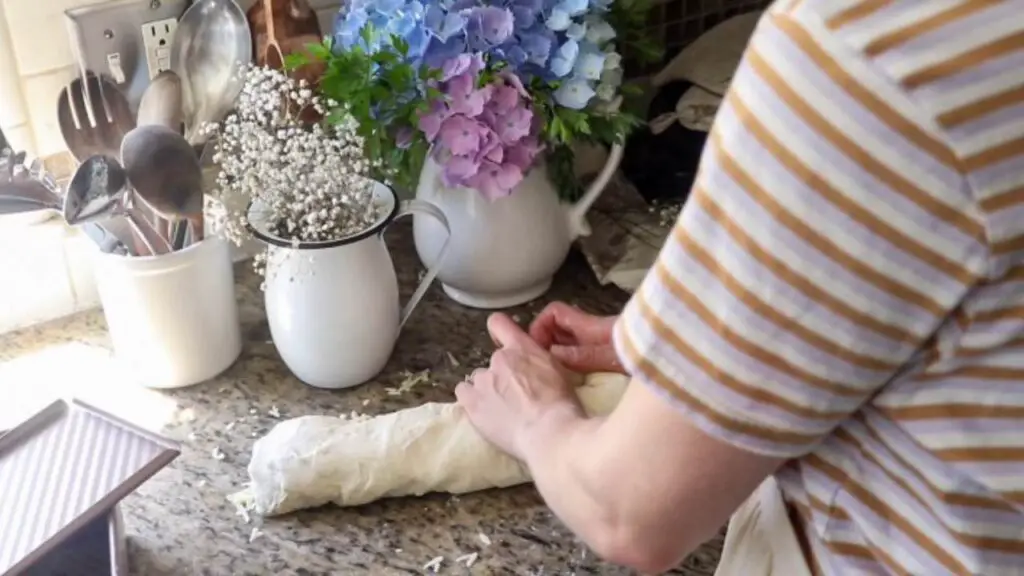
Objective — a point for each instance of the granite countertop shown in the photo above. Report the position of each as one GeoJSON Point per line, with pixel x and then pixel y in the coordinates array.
{"type": "Point", "coordinates": [180, 522]}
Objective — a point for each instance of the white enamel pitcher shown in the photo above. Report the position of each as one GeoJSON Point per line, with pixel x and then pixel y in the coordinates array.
{"type": "Point", "coordinates": [503, 252]}
{"type": "Point", "coordinates": [333, 307]}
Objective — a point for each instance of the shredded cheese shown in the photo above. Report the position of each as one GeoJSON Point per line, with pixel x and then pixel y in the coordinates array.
{"type": "Point", "coordinates": [243, 502]}
{"type": "Point", "coordinates": [468, 559]}
{"type": "Point", "coordinates": [411, 381]}
{"type": "Point", "coordinates": [434, 565]}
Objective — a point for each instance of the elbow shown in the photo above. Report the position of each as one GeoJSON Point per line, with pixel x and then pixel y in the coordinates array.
{"type": "Point", "coordinates": [638, 550]}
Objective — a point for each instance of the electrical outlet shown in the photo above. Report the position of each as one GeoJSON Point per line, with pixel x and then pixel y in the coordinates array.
{"type": "Point", "coordinates": [107, 38]}
{"type": "Point", "coordinates": [157, 37]}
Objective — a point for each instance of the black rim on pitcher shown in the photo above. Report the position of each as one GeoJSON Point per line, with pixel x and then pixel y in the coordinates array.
{"type": "Point", "coordinates": [376, 228]}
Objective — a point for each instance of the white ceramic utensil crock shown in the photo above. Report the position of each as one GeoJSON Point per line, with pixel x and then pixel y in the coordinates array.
{"type": "Point", "coordinates": [173, 319]}
{"type": "Point", "coordinates": [333, 307]}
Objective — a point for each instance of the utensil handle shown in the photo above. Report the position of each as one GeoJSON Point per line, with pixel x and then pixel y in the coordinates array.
{"type": "Point", "coordinates": [107, 241]}
{"type": "Point", "coordinates": [179, 235]}
{"type": "Point", "coordinates": [156, 243]}
{"type": "Point", "coordinates": [415, 206]}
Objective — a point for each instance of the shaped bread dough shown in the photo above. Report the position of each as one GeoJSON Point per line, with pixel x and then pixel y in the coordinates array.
{"type": "Point", "coordinates": [315, 460]}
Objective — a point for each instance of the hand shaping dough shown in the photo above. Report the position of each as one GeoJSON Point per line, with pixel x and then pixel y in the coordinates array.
{"type": "Point", "coordinates": [315, 460]}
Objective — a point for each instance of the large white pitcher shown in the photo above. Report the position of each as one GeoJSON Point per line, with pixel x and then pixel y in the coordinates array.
{"type": "Point", "coordinates": [503, 252]}
{"type": "Point", "coordinates": [333, 307]}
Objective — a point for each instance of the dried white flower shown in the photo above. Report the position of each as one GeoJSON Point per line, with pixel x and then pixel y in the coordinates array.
{"type": "Point", "coordinates": [667, 213]}
{"type": "Point", "coordinates": [313, 180]}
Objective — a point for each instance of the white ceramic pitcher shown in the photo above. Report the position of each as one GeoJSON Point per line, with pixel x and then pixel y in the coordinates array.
{"type": "Point", "coordinates": [333, 307]}
{"type": "Point", "coordinates": [503, 252]}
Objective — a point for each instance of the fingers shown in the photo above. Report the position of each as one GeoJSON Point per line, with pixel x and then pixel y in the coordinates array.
{"type": "Point", "coordinates": [466, 392]}
{"type": "Point", "coordinates": [587, 359]}
{"type": "Point", "coordinates": [507, 334]}
{"type": "Point", "coordinates": [554, 318]}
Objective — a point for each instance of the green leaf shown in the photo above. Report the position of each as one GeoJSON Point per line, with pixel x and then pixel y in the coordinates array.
{"type": "Point", "coordinates": [335, 116]}
{"type": "Point", "coordinates": [631, 90]}
{"type": "Point", "coordinates": [400, 45]}
{"type": "Point", "coordinates": [295, 60]}
{"type": "Point", "coordinates": [320, 51]}
{"type": "Point", "coordinates": [367, 34]}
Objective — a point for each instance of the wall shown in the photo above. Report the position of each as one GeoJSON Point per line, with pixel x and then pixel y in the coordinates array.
{"type": "Point", "coordinates": [45, 268]}
{"type": "Point", "coordinates": [37, 61]}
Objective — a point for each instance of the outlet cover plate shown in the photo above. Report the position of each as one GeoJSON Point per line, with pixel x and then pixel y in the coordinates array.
{"type": "Point", "coordinates": [115, 27]}
{"type": "Point", "coordinates": [157, 36]}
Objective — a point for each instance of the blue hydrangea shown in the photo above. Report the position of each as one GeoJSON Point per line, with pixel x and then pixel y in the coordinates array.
{"type": "Point", "coordinates": [563, 41]}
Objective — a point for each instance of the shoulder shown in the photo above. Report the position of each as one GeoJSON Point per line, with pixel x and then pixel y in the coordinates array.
{"type": "Point", "coordinates": [958, 64]}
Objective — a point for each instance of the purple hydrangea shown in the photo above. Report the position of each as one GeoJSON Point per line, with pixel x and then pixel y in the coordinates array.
{"type": "Point", "coordinates": [487, 136]}
{"type": "Point", "coordinates": [484, 138]}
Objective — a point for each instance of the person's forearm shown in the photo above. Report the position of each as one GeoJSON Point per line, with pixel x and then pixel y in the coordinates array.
{"type": "Point", "coordinates": [552, 455]}
{"type": "Point", "coordinates": [593, 498]}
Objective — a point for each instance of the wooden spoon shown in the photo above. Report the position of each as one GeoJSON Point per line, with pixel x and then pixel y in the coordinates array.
{"type": "Point", "coordinates": [283, 27]}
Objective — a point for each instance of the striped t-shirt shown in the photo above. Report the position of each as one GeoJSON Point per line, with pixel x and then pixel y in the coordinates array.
{"type": "Point", "coordinates": [845, 286]}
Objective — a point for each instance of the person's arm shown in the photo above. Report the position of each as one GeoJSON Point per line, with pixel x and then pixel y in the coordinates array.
{"type": "Point", "coordinates": [828, 236]}
{"type": "Point", "coordinates": [643, 487]}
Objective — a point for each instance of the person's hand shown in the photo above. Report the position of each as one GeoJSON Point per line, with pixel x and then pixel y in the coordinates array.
{"type": "Point", "coordinates": [580, 341]}
{"type": "Point", "coordinates": [523, 387]}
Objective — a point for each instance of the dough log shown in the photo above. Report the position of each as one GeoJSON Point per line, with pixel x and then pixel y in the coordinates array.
{"type": "Point", "coordinates": [316, 460]}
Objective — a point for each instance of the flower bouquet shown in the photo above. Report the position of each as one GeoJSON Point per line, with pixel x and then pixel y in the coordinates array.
{"type": "Point", "coordinates": [483, 86]}
{"type": "Point", "coordinates": [330, 288]}
{"type": "Point", "coordinates": [476, 105]}
{"type": "Point", "coordinates": [311, 182]}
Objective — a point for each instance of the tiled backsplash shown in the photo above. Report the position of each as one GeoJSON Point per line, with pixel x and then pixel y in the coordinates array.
{"type": "Point", "coordinates": [37, 61]}
{"type": "Point", "coordinates": [46, 268]}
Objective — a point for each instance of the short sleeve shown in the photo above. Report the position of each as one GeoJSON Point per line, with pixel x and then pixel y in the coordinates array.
{"type": "Point", "coordinates": [828, 236]}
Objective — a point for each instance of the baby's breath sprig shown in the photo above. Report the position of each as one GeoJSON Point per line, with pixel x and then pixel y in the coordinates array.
{"type": "Point", "coordinates": [312, 179]}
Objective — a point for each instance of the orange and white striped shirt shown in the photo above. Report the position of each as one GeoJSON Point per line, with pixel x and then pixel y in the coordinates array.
{"type": "Point", "coordinates": [845, 286]}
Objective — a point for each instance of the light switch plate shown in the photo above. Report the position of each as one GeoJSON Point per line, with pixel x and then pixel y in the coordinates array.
{"type": "Point", "coordinates": [110, 34]}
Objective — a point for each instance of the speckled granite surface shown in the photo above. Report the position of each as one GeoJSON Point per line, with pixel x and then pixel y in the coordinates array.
{"type": "Point", "coordinates": [180, 522]}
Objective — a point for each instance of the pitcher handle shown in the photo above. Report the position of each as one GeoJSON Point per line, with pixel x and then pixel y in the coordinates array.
{"type": "Point", "coordinates": [578, 212]}
{"type": "Point", "coordinates": [416, 206]}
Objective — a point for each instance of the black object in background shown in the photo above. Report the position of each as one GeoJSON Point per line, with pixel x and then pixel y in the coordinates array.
{"type": "Point", "coordinates": [85, 553]}
{"type": "Point", "coordinates": [663, 166]}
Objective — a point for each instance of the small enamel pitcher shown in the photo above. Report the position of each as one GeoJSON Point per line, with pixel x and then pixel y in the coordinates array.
{"type": "Point", "coordinates": [333, 307]}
